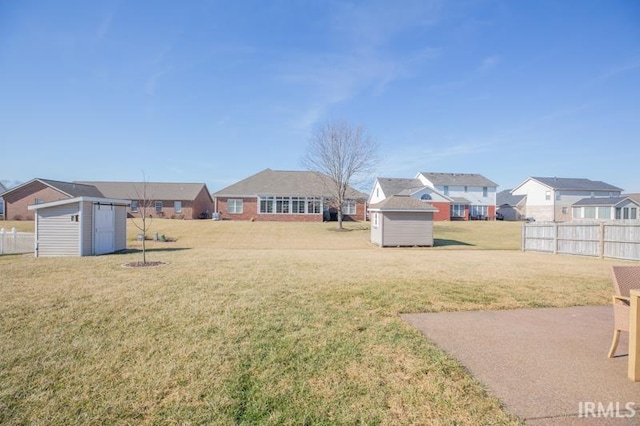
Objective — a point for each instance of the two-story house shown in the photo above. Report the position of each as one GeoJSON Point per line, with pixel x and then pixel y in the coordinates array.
{"type": "Point", "coordinates": [552, 198]}
{"type": "Point", "coordinates": [457, 196]}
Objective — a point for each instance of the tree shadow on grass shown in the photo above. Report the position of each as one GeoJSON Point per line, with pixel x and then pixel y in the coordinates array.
{"type": "Point", "coordinates": [439, 242]}
{"type": "Point", "coordinates": [151, 250]}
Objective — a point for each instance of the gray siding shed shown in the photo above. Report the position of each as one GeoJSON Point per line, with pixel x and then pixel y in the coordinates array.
{"type": "Point", "coordinates": [69, 227]}
{"type": "Point", "coordinates": [402, 221]}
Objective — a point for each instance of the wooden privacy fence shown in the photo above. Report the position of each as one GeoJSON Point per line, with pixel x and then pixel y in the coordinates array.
{"type": "Point", "coordinates": [618, 240]}
{"type": "Point", "coordinates": [13, 242]}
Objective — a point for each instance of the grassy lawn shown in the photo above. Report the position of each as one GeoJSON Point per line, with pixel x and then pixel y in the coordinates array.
{"type": "Point", "coordinates": [268, 323]}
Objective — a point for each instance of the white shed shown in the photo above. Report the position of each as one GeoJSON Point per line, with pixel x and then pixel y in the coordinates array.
{"type": "Point", "coordinates": [81, 226]}
{"type": "Point", "coordinates": [401, 220]}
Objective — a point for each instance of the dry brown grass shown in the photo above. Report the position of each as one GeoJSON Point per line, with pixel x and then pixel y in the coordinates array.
{"type": "Point", "coordinates": [271, 323]}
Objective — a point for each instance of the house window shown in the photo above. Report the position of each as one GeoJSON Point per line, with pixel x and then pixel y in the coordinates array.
{"type": "Point", "coordinates": [426, 197]}
{"type": "Point", "coordinates": [565, 210]}
{"type": "Point", "coordinates": [633, 213]}
{"type": "Point", "coordinates": [234, 206]}
{"type": "Point", "coordinates": [485, 191]}
{"type": "Point", "coordinates": [577, 212]}
{"type": "Point", "coordinates": [446, 190]}
{"type": "Point", "coordinates": [349, 207]}
{"type": "Point", "coordinates": [465, 189]}
{"type": "Point", "coordinates": [282, 204]}
{"type": "Point", "coordinates": [314, 205]}
{"type": "Point", "coordinates": [177, 206]}
{"type": "Point", "coordinates": [547, 195]}
{"type": "Point", "coordinates": [478, 211]}
{"type": "Point", "coordinates": [38, 201]}
{"type": "Point", "coordinates": [618, 213]}
{"type": "Point", "coordinates": [457, 210]}
{"type": "Point", "coordinates": [158, 206]}
{"type": "Point", "coordinates": [266, 204]}
{"type": "Point", "coordinates": [134, 206]}
{"type": "Point", "coordinates": [589, 212]}
{"type": "Point", "coordinates": [604, 213]}
{"type": "Point", "coordinates": [297, 205]}
{"type": "Point", "coordinates": [558, 196]}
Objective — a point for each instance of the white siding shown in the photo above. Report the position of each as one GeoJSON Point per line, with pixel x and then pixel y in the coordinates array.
{"type": "Point", "coordinates": [407, 229]}
{"type": "Point", "coordinates": [376, 228]}
{"type": "Point", "coordinates": [87, 228]}
{"type": "Point", "coordinates": [58, 235]}
{"type": "Point", "coordinates": [121, 227]}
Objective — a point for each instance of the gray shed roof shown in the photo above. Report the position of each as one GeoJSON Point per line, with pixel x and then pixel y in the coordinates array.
{"type": "Point", "coordinates": [577, 184]}
{"type": "Point", "coordinates": [393, 186]}
{"type": "Point", "coordinates": [285, 183]}
{"type": "Point", "coordinates": [458, 179]}
{"type": "Point", "coordinates": [154, 190]}
{"type": "Point", "coordinates": [406, 203]}
{"type": "Point", "coordinates": [507, 198]}
{"type": "Point", "coordinates": [603, 201]}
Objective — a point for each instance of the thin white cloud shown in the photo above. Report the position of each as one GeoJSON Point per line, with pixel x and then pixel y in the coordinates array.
{"type": "Point", "coordinates": [614, 72]}
{"type": "Point", "coordinates": [105, 26]}
{"type": "Point", "coordinates": [490, 62]}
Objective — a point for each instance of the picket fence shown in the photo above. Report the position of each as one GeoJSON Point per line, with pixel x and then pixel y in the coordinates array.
{"type": "Point", "coordinates": [616, 240]}
{"type": "Point", "coordinates": [13, 242]}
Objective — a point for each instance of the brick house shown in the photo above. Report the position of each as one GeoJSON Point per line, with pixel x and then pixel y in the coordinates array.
{"type": "Point", "coordinates": [170, 200]}
{"type": "Point", "coordinates": [165, 199]}
{"type": "Point", "coordinates": [457, 196]}
{"type": "Point", "coordinates": [38, 191]}
{"type": "Point", "coordinates": [293, 196]}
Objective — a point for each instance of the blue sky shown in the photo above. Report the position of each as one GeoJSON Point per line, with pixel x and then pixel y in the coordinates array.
{"type": "Point", "coordinates": [215, 91]}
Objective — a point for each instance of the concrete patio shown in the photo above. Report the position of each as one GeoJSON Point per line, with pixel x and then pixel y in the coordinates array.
{"type": "Point", "coordinates": [548, 366]}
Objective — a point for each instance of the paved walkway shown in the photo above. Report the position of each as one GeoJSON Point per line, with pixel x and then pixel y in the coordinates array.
{"type": "Point", "coordinates": [545, 365]}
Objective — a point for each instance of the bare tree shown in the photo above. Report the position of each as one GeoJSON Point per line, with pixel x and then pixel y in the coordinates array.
{"type": "Point", "coordinates": [145, 205]}
{"type": "Point", "coordinates": [341, 151]}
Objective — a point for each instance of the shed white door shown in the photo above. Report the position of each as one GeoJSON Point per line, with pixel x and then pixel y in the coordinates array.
{"type": "Point", "coordinates": [104, 240]}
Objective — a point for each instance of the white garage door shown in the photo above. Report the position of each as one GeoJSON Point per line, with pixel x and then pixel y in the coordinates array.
{"type": "Point", "coordinates": [104, 238]}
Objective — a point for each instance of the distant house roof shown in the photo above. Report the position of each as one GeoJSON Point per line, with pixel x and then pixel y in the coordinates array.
{"type": "Point", "coordinates": [70, 189]}
{"type": "Point", "coordinates": [285, 183]}
{"type": "Point", "coordinates": [506, 198]}
{"type": "Point", "coordinates": [458, 179]}
{"type": "Point", "coordinates": [153, 190]}
{"type": "Point", "coordinates": [604, 201]}
{"type": "Point", "coordinates": [576, 184]}
{"type": "Point", "coordinates": [632, 196]}
{"type": "Point", "coordinates": [393, 186]}
{"type": "Point", "coordinates": [403, 203]}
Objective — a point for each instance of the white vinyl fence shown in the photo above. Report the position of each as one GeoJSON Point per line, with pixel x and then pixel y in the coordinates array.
{"type": "Point", "coordinates": [617, 240]}
{"type": "Point", "coordinates": [12, 242]}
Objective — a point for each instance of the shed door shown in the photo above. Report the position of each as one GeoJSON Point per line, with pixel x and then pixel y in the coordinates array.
{"type": "Point", "coordinates": [104, 240]}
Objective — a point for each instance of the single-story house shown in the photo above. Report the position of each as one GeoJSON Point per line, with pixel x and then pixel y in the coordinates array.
{"type": "Point", "coordinates": [510, 207]}
{"type": "Point", "coordinates": [402, 220]}
{"type": "Point", "coordinates": [457, 196]}
{"type": "Point", "coordinates": [278, 195]}
{"type": "Point", "coordinates": [80, 226]}
{"type": "Point", "coordinates": [163, 199]}
{"type": "Point", "coordinates": [38, 191]}
{"type": "Point", "coordinates": [606, 208]}
{"type": "Point", "coordinates": [551, 198]}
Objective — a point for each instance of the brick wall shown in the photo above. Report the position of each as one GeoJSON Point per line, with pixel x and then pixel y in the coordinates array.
{"type": "Point", "coordinates": [16, 202]}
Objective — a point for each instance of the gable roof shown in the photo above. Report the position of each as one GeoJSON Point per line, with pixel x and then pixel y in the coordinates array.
{"type": "Point", "coordinates": [576, 184]}
{"type": "Point", "coordinates": [604, 201]}
{"type": "Point", "coordinates": [393, 186]}
{"type": "Point", "coordinates": [2, 188]}
{"type": "Point", "coordinates": [507, 198]}
{"type": "Point", "coordinates": [458, 179]}
{"type": "Point", "coordinates": [70, 189]}
{"type": "Point", "coordinates": [285, 183]}
{"type": "Point", "coordinates": [632, 196]}
{"type": "Point", "coordinates": [404, 203]}
{"type": "Point", "coordinates": [154, 190]}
